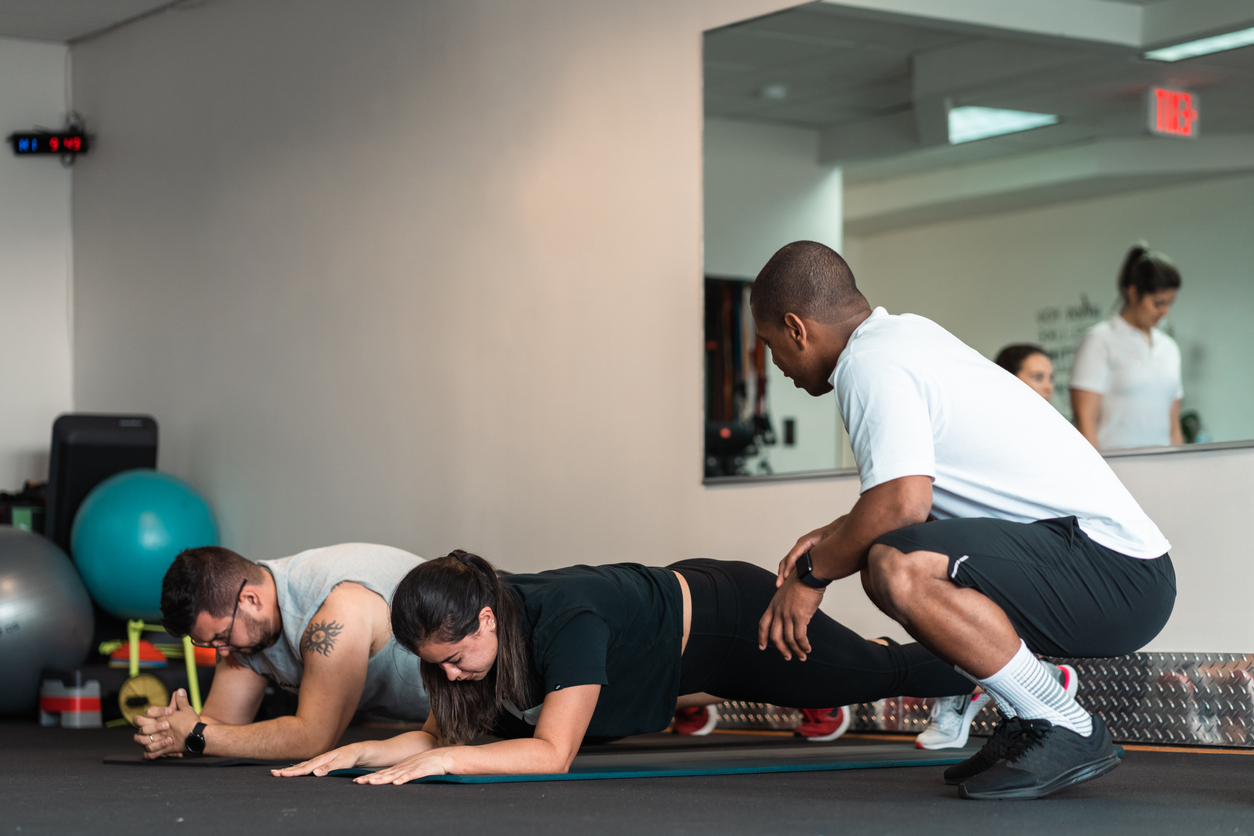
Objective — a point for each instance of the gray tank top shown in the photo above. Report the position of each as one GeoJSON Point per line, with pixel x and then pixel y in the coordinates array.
{"type": "Point", "coordinates": [393, 685]}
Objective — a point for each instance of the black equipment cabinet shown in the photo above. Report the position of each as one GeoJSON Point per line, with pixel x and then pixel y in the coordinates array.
{"type": "Point", "coordinates": [86, 450]}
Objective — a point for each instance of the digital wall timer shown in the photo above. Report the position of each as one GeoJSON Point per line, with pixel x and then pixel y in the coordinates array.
{"type": "Point", "coordinates": [42, 142]}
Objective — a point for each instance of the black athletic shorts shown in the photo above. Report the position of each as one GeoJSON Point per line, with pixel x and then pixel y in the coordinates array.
{"type": "Point", "coordinates": [1065, 594]}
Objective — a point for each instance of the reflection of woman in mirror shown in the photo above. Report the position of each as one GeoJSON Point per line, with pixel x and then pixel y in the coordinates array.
{"type": "Point", "coordinates": [1030, 364]}
{"type": "Point", "coordinates": [1125, 384]}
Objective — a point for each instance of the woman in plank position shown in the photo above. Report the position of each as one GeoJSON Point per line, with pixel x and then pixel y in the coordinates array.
{"type": "Point", "coordinates": [603, 652]}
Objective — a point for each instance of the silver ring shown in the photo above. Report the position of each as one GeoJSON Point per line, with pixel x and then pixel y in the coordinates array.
{"type": "Point", "coordinates": [150, 740]}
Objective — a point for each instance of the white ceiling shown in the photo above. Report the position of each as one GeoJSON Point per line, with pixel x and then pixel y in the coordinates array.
{"type": "Point", "coordinates": [876, 85]}
{"type": "Point", "coordinates": [70, 20]}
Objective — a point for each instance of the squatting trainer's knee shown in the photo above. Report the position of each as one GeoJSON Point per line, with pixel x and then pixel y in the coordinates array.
{"type": "Point", "coordinates": [890, 579]}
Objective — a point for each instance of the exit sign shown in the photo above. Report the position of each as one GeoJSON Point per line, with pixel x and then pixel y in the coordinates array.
{"type": "Point", "coordinates": [1172, 112]}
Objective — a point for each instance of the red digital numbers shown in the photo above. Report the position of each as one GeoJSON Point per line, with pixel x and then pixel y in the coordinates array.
{"type": "Point", "coordinates": [1173, 112]}
{"type": "Point", "coordinates": [42, 142]}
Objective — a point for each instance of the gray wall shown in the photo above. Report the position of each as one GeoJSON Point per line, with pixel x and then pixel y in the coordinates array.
{"type": "Point", "coordinates": [35, 376]}
{"type": "Point", "coordinates": [427, 274]}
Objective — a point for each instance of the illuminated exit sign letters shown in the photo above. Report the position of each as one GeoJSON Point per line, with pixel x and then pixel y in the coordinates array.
{"type": "Point", "coordinates": [1172, 112]}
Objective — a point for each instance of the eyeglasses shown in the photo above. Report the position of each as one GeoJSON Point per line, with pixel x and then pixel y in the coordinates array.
{"type": "Point", "coordinates": [222, 644]}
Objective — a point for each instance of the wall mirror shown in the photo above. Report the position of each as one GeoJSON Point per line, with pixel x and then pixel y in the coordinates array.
{"type": "Point", "coordinates": [989, 179]}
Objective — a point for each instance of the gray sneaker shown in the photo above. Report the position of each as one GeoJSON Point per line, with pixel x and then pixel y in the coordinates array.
{"type": "Point", "coordinates": [950, 723]}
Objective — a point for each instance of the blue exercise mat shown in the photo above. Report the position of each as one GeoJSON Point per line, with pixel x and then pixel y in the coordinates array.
{"type": "Point", "coordinates": [741, 760]}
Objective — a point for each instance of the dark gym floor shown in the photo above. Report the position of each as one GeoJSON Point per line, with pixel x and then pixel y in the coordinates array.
{"type": "Point", "coordinates": [52, 781]}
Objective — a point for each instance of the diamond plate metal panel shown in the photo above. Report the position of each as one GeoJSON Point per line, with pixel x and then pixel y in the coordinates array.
{"type": "Point", "coordinates": [757, 716]}
{"type": "Point", "coordinates": [1177, 698]}
{"type": "Point", "coordinates": [1197, 699]}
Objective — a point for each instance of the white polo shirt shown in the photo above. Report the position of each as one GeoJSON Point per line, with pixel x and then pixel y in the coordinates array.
{"type": "Point", "coordinates": [917, 401]}
{"type": "Point", "coordinates": [1138, 379]}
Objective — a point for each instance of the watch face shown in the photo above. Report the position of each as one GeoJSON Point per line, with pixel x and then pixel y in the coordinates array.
{"type": "Point", "coordinates": [805, 573]}
{"type": "Point", "coordinates": [195, 742]}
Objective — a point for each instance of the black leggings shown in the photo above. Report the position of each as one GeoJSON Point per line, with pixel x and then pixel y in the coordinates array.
{"type": "Point", "coordinates": [722, 656]}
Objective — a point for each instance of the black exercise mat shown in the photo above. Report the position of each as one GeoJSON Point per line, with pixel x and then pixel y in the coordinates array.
{"type": "Point", "coordinates": [741, 760]}
{"type": "Point", "coordinates": [203, 760]}
{"type": "Point", "coordinates": [640, 743]}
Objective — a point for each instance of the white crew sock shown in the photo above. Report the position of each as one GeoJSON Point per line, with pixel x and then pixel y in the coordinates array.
{"type": "Point", "coordinates": [1003, 705]}
{"type": "Point", "coordinates": [1031, 687]}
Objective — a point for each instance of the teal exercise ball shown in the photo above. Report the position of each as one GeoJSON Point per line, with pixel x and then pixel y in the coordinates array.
{"type": "Point", "coordinates": [128, 531]}
{"type": "Point", "coordinates": [45, 616]}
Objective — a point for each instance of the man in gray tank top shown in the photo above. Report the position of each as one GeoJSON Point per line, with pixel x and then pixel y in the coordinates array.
{"type": "Point", "coordinates": [316, 624]}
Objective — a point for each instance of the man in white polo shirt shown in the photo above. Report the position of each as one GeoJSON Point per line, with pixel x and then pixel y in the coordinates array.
{"type": "Point", "coordinates": [987, 526]}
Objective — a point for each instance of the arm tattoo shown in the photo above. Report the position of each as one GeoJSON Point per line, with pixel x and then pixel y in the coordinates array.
{"type": "Point", "coordinates": [320, 637]}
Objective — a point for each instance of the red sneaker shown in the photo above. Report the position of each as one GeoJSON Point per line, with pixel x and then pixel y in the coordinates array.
{"type": "Point", "coordinates": [697, 721]}
{"type": "Point", "coordinates": [823, 724]}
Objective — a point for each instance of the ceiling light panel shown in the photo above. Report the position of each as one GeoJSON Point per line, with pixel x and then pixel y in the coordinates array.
{"type": "Point", "coordinates": [967, 124]}
{"type": "Point", "coordinates": [1204, 46]}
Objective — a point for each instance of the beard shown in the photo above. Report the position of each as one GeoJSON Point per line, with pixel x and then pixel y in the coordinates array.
{"type": "Point", "coordinates": [260, 636]}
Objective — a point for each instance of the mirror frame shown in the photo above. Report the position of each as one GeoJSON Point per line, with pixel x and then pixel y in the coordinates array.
{"type": "Point", "coordinates": [838, 473]}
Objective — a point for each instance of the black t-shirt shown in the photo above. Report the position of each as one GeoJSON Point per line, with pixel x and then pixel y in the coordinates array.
{"type": "Point", "coordinates": [618, 626]}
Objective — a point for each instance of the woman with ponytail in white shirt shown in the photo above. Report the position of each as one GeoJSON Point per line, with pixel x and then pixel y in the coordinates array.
{"type": "Point", "coordinates": [1125, 383]}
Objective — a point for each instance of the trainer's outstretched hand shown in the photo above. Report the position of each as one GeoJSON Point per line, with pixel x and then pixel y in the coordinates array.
{"type": "Point", "coordinates": [786, 618]}
{"type": "Point", "coordinates": [413, 767]}
{"type": "Point", "coordinates": [341, 758]}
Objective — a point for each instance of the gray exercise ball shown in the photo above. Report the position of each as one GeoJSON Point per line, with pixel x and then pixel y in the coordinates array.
{"type": "Point", "coordinates": [45, 616]}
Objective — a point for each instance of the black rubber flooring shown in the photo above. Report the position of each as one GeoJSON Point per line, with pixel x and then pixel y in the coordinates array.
{"type": "Point", "coordinates": [53, 781]}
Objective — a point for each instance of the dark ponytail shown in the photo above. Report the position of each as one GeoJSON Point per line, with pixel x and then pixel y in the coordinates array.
{"type": "Point", "coordinates": [440, 600]}
{"type": "Point", "coordinates": [1148, 272]}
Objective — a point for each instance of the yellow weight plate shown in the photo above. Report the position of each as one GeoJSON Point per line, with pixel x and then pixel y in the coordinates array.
{"type": "Point", "coordinates": [139, 692]}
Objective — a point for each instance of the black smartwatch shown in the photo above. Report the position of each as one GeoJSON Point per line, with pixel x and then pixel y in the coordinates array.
{"type": "Point", "coordinates": [195, 742]}
{"type": "Point", "coordinates": [805, 574]}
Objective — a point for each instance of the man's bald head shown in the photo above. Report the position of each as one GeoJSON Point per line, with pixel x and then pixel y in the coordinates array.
{"type": "Point", "coordinates": [807, 279]}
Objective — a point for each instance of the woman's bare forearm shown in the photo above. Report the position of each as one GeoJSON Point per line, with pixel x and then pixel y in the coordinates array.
{"type": "Point", "coordinates": [395, 749]}
{"type": "Point", "coordinates": [526, 756]}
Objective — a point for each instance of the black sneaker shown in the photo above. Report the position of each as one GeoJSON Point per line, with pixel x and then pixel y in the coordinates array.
{"type": "Point", "coordinates": [1045, 759]}
{"type": "Point", "coordinates": [1005, 733]}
